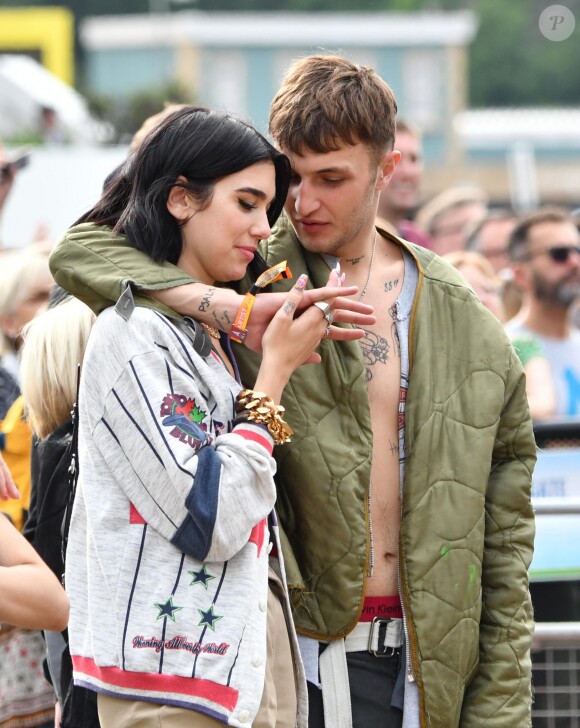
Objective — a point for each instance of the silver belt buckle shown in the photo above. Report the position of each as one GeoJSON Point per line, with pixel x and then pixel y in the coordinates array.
{"type": "Point", "coordinates": [385, 651]}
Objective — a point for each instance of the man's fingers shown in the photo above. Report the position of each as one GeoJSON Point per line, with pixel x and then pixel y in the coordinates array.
{"type": "Point", "coordinates": [294, 297]}
{"type": "Point", "coordinates": [339, 334]}
{"type": "Point", "coordinates": [352, 317]}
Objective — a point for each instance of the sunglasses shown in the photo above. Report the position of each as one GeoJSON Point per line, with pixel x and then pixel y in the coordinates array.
{"type": "Point", "coordinates": [559, 253]}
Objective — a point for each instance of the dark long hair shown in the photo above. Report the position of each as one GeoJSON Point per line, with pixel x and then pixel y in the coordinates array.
{"type": "Point", "coordinates": [199, 145]}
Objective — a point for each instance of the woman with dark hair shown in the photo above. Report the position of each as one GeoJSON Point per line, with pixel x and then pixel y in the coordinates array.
{"type": "Point", "coordinates": [176, 617]}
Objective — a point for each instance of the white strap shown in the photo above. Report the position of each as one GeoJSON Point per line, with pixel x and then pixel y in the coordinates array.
{"type": "Point", "coordinates": [334, 670]}
{"type": "Point", "coordinates": [365, 636]}
{"type": "Point", "coordinates": [335, 686]}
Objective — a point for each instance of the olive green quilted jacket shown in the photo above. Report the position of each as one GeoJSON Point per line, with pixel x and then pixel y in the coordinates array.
{"type": "Point", "coordinates": [467, 523]}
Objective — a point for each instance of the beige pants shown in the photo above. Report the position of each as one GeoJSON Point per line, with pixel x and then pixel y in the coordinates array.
{"type": "Point", "coordinates": [277, 708]}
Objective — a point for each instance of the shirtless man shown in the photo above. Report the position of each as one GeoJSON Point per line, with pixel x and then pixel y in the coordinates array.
{"type": "Point", "coordinates": [404, 497]}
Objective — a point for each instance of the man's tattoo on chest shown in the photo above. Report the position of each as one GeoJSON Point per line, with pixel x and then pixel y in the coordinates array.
{"type": "Point", "coordinates": [390, 285]}
{"type": "Point", "coordinates": [394, 332]}
{"type": "Point", "coordinates": [375, 349]}
{"type": "Point", "coordinates": [206, 300]}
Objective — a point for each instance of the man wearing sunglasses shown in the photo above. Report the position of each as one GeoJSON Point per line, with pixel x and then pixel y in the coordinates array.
{"type": "Point", "coordinates": [544, 251]}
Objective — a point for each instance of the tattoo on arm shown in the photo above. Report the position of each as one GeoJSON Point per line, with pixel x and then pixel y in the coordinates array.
{"type": "Point", "coordinates": [375, 349]}
{"type": "Point", "coordinates": [222, 320]}
{"type": "Point", "coordinates": [289, 307]}
{"type": "Point", "coordinates": [393, 447]}
{"type": "Point", "coordinates": [206, 300]}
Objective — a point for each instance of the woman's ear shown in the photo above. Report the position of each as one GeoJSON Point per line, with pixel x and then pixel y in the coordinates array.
{"type": "Point", "coordinates": [180, 203]}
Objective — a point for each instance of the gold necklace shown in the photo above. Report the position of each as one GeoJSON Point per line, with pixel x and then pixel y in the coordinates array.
{"type": "Point", "coordinates": [212, 331]}
{"type": "Point", "coordinates": [366, 285]}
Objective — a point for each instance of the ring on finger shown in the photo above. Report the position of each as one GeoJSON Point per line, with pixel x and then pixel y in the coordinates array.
{"type": "Point", "coordinates": [326, 332]}
{"type": "Point", "coordinates": [329, 317]}
{"type": "Point", "coordinates": [324, 306]}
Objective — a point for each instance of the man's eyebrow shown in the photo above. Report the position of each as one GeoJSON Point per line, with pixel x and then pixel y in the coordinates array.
{"type": "Point", "coordinates": [332, 170]}
{"type": "Point", "coordinates": [253, 191]}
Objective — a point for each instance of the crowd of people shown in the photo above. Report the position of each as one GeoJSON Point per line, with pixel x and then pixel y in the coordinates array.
{"type": "Point", "coordinates": [269, 421]}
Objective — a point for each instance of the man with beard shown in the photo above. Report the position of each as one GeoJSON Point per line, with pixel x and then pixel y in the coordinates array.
{"type": "Point", "coordinates": [545, 252]}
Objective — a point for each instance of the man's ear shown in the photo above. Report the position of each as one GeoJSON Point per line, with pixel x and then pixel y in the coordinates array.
{"type": "Point", "coordinates": [387, 167]}
{"type": "Point", "coordinates": [180, 203]}
{"type": "Point", "coordinates": [521, 275]}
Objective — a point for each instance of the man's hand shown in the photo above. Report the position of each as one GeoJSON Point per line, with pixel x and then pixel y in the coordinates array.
{"type": "Point", "coordinates": [344, 310]}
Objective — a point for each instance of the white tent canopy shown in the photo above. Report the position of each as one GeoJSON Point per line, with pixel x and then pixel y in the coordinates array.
{"type": "Point", "coordinates": [26, 87]}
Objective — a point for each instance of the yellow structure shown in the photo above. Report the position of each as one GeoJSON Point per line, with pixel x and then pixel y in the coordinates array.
{"type": "Point", "coordinates": [47, 33]}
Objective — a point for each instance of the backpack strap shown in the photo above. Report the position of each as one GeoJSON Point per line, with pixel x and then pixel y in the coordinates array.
{"type": "Point", "coordinates": [73, 474]}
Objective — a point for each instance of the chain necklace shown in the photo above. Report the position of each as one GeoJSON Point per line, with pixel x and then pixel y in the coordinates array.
{"type": "Point", "coordinates": [366, 285]}
{"type": "Point", "coordinates": [212, 331]}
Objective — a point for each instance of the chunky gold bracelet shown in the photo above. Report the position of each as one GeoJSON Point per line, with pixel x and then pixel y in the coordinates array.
{"type": "Point", "coordinates": [260, 408]}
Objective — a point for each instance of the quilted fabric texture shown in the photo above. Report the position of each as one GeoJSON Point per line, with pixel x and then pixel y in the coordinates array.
{"type": "Point", "coordinates": [467, 530]}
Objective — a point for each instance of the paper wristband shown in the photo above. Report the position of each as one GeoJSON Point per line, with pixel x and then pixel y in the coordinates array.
{"type": "Point", "coordinates": [238, 332]}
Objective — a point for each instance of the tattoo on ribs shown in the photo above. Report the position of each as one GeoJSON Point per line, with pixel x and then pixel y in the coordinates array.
{"type": "Point", "coordinates": [206, 300]}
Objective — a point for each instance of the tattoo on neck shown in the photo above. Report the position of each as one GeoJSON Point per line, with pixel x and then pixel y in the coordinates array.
{"type": "Point", "coordinates": [206, 300]}
{"type": "Point", "coordinates": [354, 261]}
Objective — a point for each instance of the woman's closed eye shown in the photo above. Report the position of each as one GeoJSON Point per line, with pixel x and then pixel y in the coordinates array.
{"type": "Point", "coordinates": [246, 205]}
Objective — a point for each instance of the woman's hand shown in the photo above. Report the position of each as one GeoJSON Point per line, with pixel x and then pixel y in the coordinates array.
{"type": "Point", "coordinates": [344, 310]}
{"type": "Point", "coordinates": [7, 487]}
{"type": "Point", "coordinates": [292, 337]}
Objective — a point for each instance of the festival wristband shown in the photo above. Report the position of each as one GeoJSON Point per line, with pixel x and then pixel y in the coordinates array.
{"type": "Point", "coordinates": [239, 329]}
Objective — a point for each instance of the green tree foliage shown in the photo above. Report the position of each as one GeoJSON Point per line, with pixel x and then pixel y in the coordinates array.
{"type": "Point", "coordinates": [510, 62]}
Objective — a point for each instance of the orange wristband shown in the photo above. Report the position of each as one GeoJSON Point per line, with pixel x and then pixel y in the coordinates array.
{"type": "Point", "coordinates": [239, 331]}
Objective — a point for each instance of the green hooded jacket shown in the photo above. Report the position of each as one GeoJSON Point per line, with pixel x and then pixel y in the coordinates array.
{"type": "Point", "coordinates": [467, 527]}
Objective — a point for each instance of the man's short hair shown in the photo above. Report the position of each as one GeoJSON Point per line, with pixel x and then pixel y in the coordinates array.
{"type": "Point", "coordinates": [518, 242]}
{"type": "Point", "coordinates": [498, 215]}
{"type": "Point", "coordinates": [326, 101]}
{"type": "Point", "coordinates": [404, 126]}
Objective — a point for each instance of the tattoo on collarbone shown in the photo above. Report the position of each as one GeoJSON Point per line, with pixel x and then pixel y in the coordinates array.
{"type": "Point", "coordinates": [289, 307]}
{"type": "Point", "coordinates": [354, 261]}
{"type": "Point", "coordinates": [375, 349]}
{"type": "Point", "coordinates": [391, 285]}
{"type": "Point", "coordinates": [206, 300]}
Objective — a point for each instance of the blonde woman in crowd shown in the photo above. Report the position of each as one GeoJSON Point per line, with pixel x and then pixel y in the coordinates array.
{"type": "Point", "coordinates": [54, 345]}
{"type": "Point", "coordinates": [26, 698]}
{"type": "Point", "coordinates": [482, 277]}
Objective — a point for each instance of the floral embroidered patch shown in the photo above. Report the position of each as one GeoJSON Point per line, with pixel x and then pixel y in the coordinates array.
{"type": "Point", "coordinates": [186, 419]}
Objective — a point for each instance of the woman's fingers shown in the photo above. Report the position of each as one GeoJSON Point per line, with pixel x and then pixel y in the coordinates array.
{"type": "Point", "coordinates": [7, 487]}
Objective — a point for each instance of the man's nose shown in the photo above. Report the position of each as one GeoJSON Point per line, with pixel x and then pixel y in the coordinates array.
{"type": "Point", "coordinates": [306, 201]}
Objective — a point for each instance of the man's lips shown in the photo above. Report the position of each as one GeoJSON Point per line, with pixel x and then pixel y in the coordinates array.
{"type": "Point", "coordinates": [311, 224]}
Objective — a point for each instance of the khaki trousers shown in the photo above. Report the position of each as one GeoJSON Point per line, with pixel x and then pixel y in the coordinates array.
{"type": "Point", "coordinates": [277, 708]}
